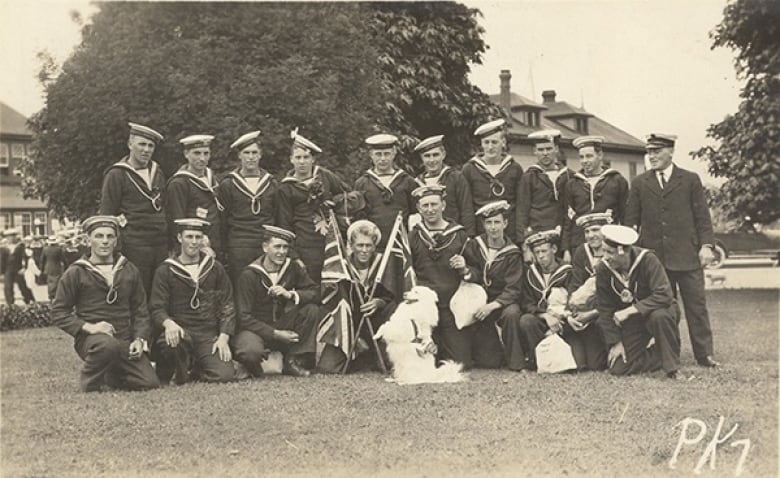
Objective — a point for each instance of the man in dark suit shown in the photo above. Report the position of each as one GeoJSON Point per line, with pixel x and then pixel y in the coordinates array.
{"type": "Point", "coordinates": [52, 264]}
{"type": "Point", "coordinates": [14, 270]}
{"type": "Point", "coordinates": [668, 207]}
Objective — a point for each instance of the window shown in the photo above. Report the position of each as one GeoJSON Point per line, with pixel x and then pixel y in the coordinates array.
{"type": "Point", "coordinates": [18, 151]}
{"type": "Point", "coordinates": [582, 125]}
{"type": "Point", "coordinates": [4, 155]}
{"type": "Point", "coordinates": [532, 118]}
{"type": "Point", "coordinates": [5, 220]}
{"type": "Point", "coordinates": [41, 223]}
{"type": "Point", "coordinates": [631, 170]}
{"type": "Point", "coordinates": [23, 219]}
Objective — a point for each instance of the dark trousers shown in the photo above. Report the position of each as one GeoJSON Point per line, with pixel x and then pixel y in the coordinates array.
{"type": "Point", "coordinates": [146, 259]}
{"type": "Point", "coordinates": [587, 347]}
{"type": "Point", "coordinates": [477, 345]}
{"type": "Point", "coordinates": [250, 348]}
{"type": "Point", "coordinates": [528, 331]}
{"type": "Point", "coordinates": [191, 358]}
{"type": "Point", "coordinates": [106, 362]}
{"type": "Point", "coordinates": [660, 324]}
{"type": "Point", "coordinates": [691, 286]}
{"type": "Point", "coordinates": [16, 277]}
{"type": "Point", "coordinates": [51, 285]}
{"type": "Point", "coordinates": [238, 258]}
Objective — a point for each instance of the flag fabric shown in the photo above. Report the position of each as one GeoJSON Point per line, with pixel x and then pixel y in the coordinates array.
{"type": "Point", "coordinates": [336, 326]}
{"type": "Point", "coordinates": [395, 271]}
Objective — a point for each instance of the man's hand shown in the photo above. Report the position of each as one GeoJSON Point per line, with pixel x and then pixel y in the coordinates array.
{"type": "Point", "coordinates": [173, 333]}
{"type": "Point", "coordinates": [221, 346]}
{"type": "Point", "coordinates": [458, 263]}
{"type": "Point", "coordinates": [136, 349]}
{"type": "Point", "coordinates": [566, 257]}
{"type": "Point", "coordinates": [101, 327]}
{"type": "Point", "coordinates": [369, 308]}
{"type": "Point", "coordinates": [279, 291]}
{"type": "Point", "coordinates": [706, 256]}
{"type": "Point", "coordinates": [286, 336]}
{"type": "Point", "coordinates": [575, 324]}
{"type": "Point", "coordinates": [615, 352]}
{"type": "Point", "coordinates": [623, 315]}
{"type": "Point", "coordinates": [487, 309]}
{"type": "Point", "coordinates": [553, 323]}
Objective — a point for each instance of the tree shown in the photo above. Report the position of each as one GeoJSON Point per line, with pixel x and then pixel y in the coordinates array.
{"type": "Point", "coordinates": [426, 49]}
{"type": "Point", "coordinates": [748, 153]}
{"type": "Point", "coordinates": [227, 68]}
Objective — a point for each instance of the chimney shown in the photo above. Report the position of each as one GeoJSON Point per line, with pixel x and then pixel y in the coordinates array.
{"type": "Point", "coordinates": [548, 96]}
{"type": "Point", "coordinates": [504, 98]}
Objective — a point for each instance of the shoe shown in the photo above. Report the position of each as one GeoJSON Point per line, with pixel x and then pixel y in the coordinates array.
{"type": "Point", "coordinates": [292, 367]}
{"type": "Point", "coordinates": [675, 376]}
{"type": "Point", "coordinates": [708, 361]}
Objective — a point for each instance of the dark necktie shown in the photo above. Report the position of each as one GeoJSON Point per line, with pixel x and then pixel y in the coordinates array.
{"type": "Point", "coordinates": [662, 177]}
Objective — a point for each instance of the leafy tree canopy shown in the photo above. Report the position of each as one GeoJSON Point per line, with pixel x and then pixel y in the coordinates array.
{"type": "Point", "coordinates": [748, 151]}
{"type": "Point", "coordinates": [338, 71]}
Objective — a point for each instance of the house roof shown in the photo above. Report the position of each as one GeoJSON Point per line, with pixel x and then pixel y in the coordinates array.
{"type": "Point", "coordinates": [12, 122]}
{"type": "Point", "coordinates": [518, 101]}
{"type": "Point", "coordinates": [551, 117]}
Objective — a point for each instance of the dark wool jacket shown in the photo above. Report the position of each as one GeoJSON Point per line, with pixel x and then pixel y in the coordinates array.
{"type": "Point", "coordinates": [501, 277]}
{"type": "Point", "coordinates": [246, 212]}
{"type": "Point", "coordinates": [383, 203]}
{"type": "Point", "coordinates": [460, 205]}
{"type": "Point", "coordinates": [486, 189]}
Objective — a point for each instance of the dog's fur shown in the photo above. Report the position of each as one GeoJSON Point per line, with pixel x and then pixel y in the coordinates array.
{"type": "Point", "coordinates": [411, 364]}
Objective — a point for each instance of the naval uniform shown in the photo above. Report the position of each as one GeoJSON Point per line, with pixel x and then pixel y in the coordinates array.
{"type": "Point", "coordinates": [487, 187]}
{"type": "Point", "coordinates": [86, 293]}
{"type": "Point", "coordinates": [139, 196]}
{"type": "Point", "coordinates": [385, 197]}
{"type": "Point", "coordinates": [587, 346]}
{"type": "Point", "coordinates": [250, 203]}
{"type": "Point", "coordinates": [199, 298]}
{"type": "Point", "coordinates": [647, 288]}
{"type": "Point", "coordinates": [607, 191]}
{"type": "Point", "coordinates": [302, 209]}
{"type": "Point", "coordinates": [192, 196]}
{"type": "Point", "coordinates": [499, 272]}
{"type": "Point", "coordinates": [260, 314]}
{"type": "Point", "coordinates": [460, 204]}
{"type": "Point", "coordinates": [540, 201]}
{"type": "Point", "coordinates": [431, 253]}
{"type": "Point", "coordinates": [522, 336]}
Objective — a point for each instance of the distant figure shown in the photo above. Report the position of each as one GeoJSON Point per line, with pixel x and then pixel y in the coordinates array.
{"type": "Point", "coordinates": [52, 264]}
{"type": "Point", "coordinates": [667, 206]}
{"type": "Point", "coordinates": [15, 269]}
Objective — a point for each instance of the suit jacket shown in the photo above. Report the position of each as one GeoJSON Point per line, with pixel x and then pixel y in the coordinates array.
{"type": "Point", "coordinates": [674, 221]}
{"type": "Point", "coordinates": [52, 260]}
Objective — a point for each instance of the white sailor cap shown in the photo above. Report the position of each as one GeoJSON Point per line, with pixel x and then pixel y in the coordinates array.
{"type": "Point", "coordinates": [543, 237]}
{"type": "Point", "coordinates": [381, 141]}
{"type": "Point", "coordinates": [493, 208]}
{"type": "Point", "coordinates": [429, 190]}
{"type": "Point", "coordinates": [299, 140]}
{"type": "Point", "coordinates": [191, 224]}
{"type": "Point", "coordinates": [145, 132]}
{"type": "Point", "coordinates": [617, 236]}
{"type": "Point", "coordinates": [429, 143]}
{"type": "Point", "coordinates": [545, 136]}
{"type": "Point", "coordinates": [584, 141]}
{"type": "Point", "coordinates": [278, 232]}
{"type": "Point", "coordinates": [489, 128]}
{"type": "Point", "coordinates": [660, 140]}
{"type": "Point", "coordinates": [92, 223]}
{"type": "Point", "coordinates": [197, 141]}
{"type": "Point", "coordinates": [600, 218]}
{"type": "Point", "coordinates": [245, 140]}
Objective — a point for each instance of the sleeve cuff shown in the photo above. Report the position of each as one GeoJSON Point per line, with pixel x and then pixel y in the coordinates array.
{"type": "Point", "coordinates": [296, 297]}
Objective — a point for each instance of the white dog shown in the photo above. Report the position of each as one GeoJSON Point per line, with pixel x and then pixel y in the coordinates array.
{"type": "Point", "coordinates": [407, 334]}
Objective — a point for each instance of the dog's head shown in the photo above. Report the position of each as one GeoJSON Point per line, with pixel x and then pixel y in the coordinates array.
{"type": "Point", "coordinates": [421, 293]}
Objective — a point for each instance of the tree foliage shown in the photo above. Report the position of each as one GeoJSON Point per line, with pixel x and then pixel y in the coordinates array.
{"type": "Point", "coordinates": [338, 71]}
{"type": "Point", "coordinates": [748, 151]}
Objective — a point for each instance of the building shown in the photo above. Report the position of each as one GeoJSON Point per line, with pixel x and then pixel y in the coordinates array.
{"type": "Point", "coordinates": [622, 151]}
{"type": "Point", "coordinates": [31, 215]}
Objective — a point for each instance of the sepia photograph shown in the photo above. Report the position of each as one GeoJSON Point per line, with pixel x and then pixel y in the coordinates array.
{"type": "Point", "coordinates": [434, 239]}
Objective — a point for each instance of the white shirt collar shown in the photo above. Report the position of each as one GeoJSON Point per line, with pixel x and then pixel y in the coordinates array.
{"type": "Point", "coordinates": [667, 172]}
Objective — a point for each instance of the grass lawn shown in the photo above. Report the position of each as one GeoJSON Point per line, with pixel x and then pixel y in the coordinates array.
{"type": "Point", "coordinates": [500, 423]}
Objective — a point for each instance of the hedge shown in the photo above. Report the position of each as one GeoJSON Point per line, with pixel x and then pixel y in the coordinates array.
{"type": "Point", "coordinates": [14, 317]}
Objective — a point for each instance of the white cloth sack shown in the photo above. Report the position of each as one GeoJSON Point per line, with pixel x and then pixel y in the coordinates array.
{"type": "Point", "coordinates": [553, 355]}
{"type": "Point", "coordinates": [465, 303]}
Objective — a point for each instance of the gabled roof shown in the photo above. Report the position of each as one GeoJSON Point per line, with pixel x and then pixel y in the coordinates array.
{"type": "Point", "coordinates": [562, 109]}
{"type": "Point", "coordinates": [517, 101]}
{"type": "Point", "coordinates": [12, 122]}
